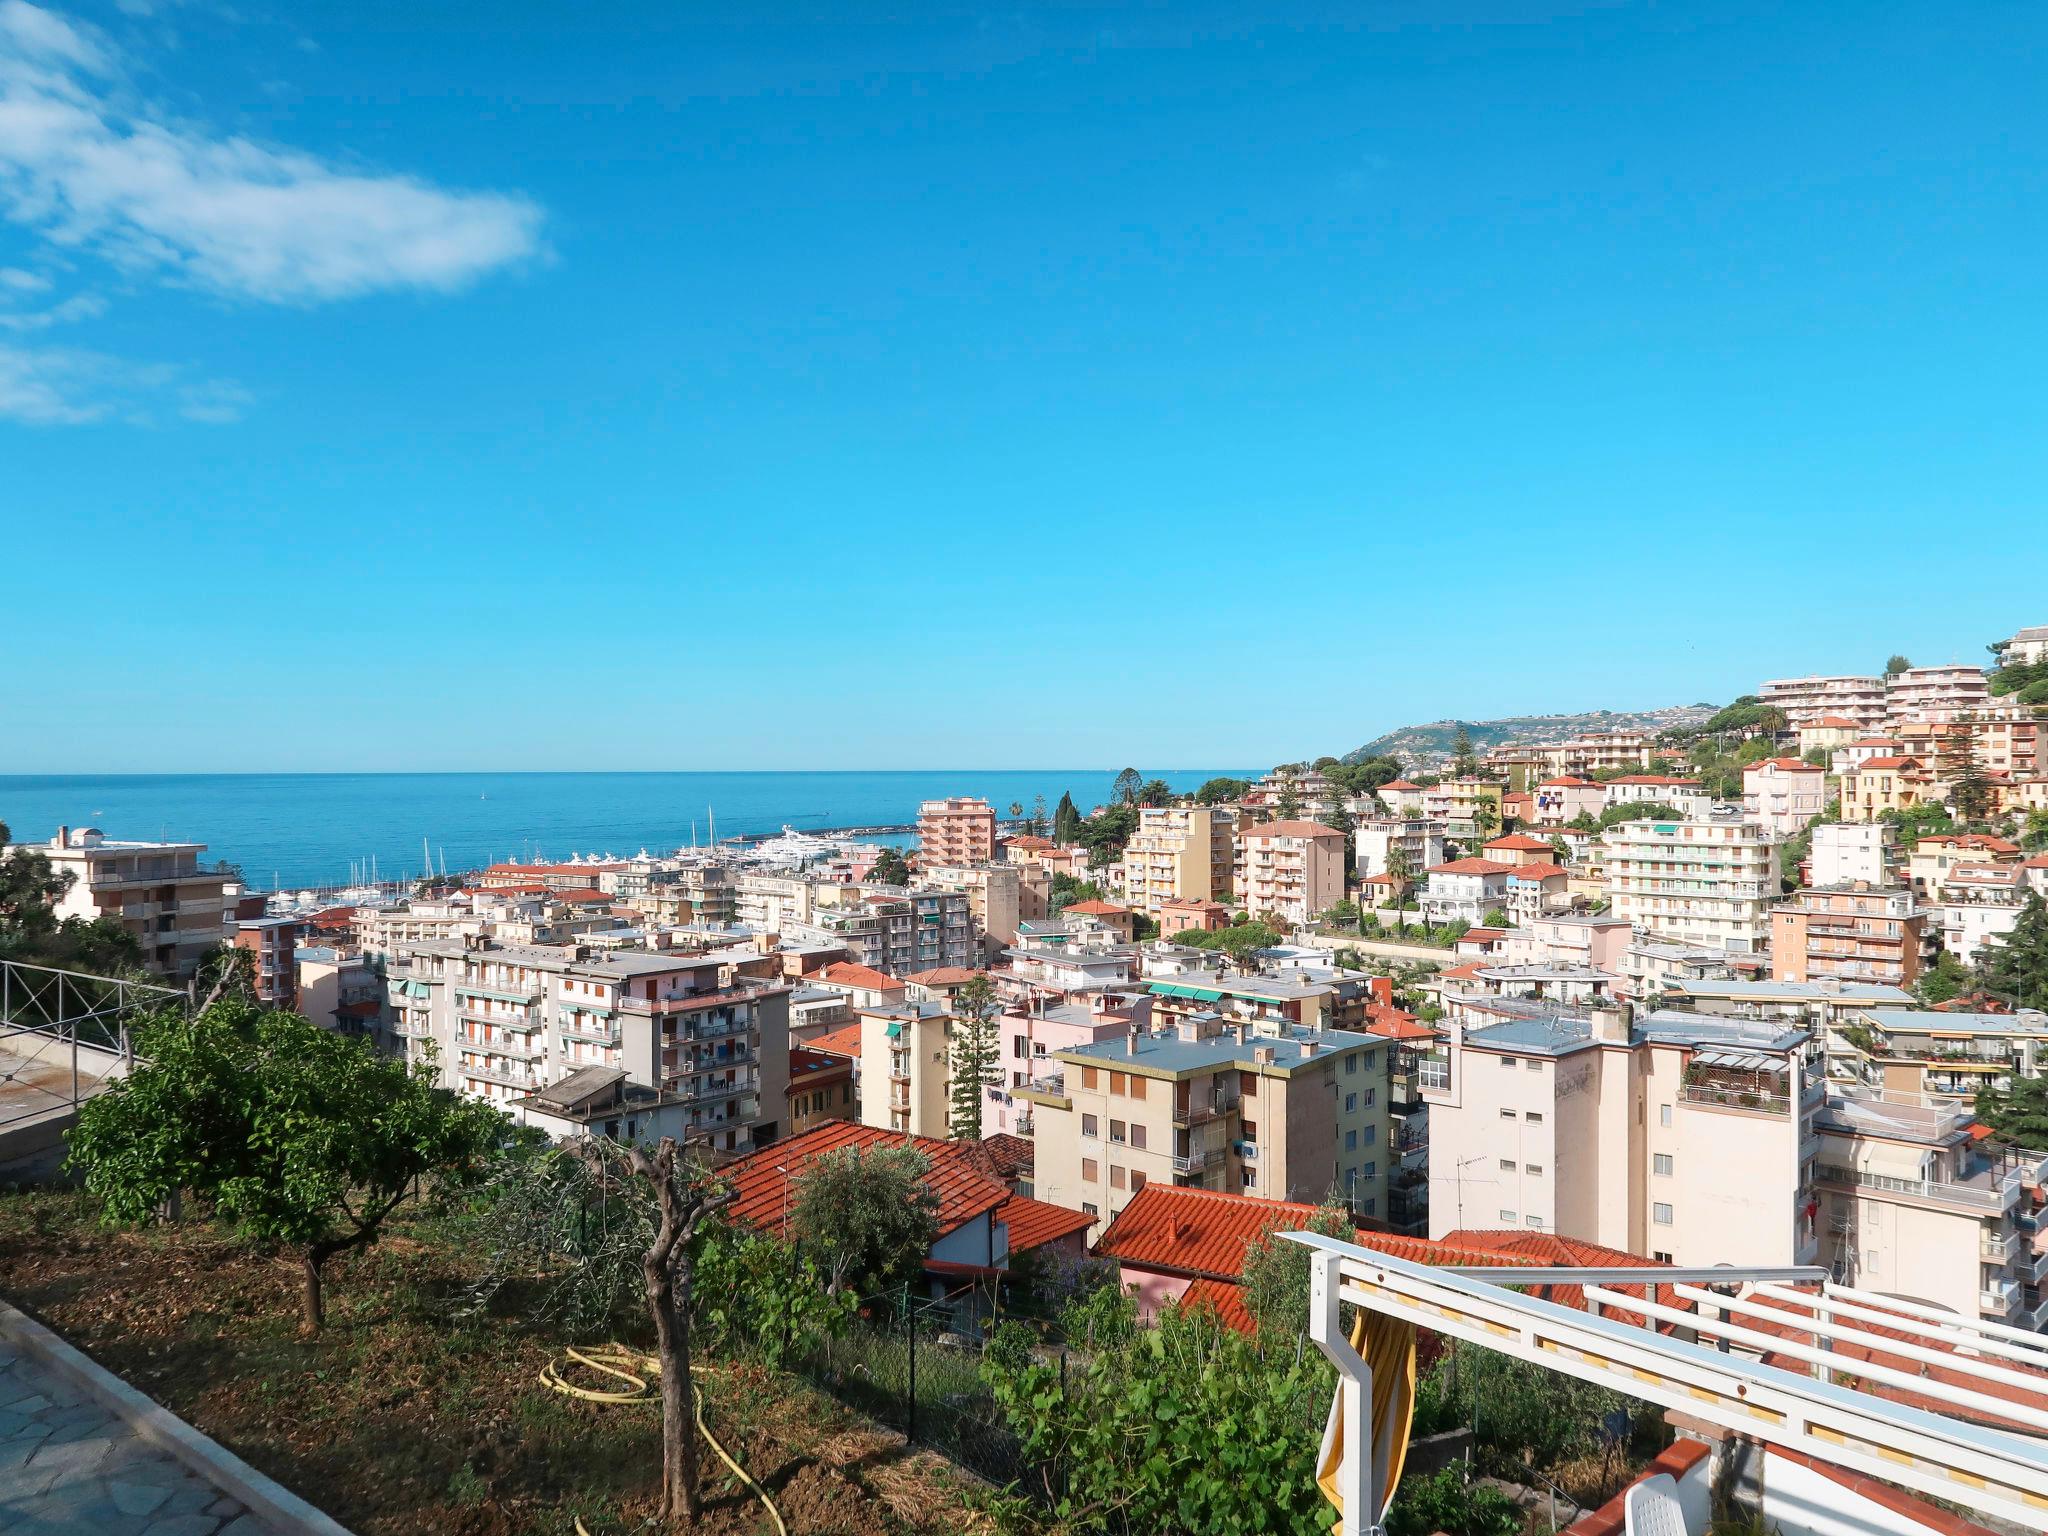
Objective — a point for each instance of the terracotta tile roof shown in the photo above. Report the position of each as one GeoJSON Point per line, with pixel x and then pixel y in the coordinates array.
{"type": "Point", "coordinates": [1482, 934]}
{"type": "Point", "coordinates": [1889, 762]}
{"type": "Point", "coordinates": [1470, 867]}
{"type": "Point", "coordinates": [1203, 1232]}
{"type": "Point", "coordinates": [1517, 1246]}
{"type": "Point", "coordinates": [1465, 972]}
{"type": "Point", "coordinates": [1877, 741]}
{"type": "Point", "coordinates": [1097, 909]}
{"type": "Point", "coordinates": [1544, 871]}
{"type": "Point", "coordinates": [941, 976]}
{"type": "Point", "coordinates": [1292, 829]}
{"type": "Point", "coordinates": [1567, 781]}
{"type": "Point", "coordinates": [1520, 842]}
{"type": "Point", "coordinates": [1031, 844]}
{"type": "Point", "coordinates": [1224, 1299]}
{"type": "Point", "coordinates": [1396, 1025]}
{"type": "Point", "coordinates": [1838, 723]}
{"type": "Point", "coordinates": [1784, 765]}
{"type": "Point", "coordinates": [1972, 840]}
{"type": "Point", "coordinates": [1010, 1155]}
{"type": "Point", "coordinates": [960, 1174]}
{"type": "Point", "coordinates": [1611, 1518]}
{"type": "Point", "coordinates": [844, 1041]}
{"type": "Point", "coordinates": [808, 1062]}
{"type": "Point", "coordinates": [1668, 781]}
{"type": "Point", "coordinates": [582, 898]}
{"type": "Point", "coordinates": [846, 974]}
{"type": "Point", "coordinates": [1033, 1223]}
{"type": "Point", "coordinates": [1399, 784]}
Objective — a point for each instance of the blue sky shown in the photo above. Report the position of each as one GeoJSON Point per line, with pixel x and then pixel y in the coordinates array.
{"type": "Point", "coordinates": [440, 386]}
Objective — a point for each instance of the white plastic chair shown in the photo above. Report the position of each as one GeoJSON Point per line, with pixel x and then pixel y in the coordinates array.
{"type": "Point", "coordinates": [1652, 1508]}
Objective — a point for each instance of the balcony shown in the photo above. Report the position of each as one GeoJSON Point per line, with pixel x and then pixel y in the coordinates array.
{"type": "Point", "coordinates": [525, 1021]}
{"type": "Point", "coordinates": [1718, 1095]}
{"type": "Point", "coordinates": [1998, 1298]}
{"type": "Point", "coordinates": [1201, 1112]}
{"type": "Point", "coordinates": [1994, 1248]}
{"type": "Point", "coordinates": [1989, 1195]}
{"type": "Point", "coordinates": [1196, 1159]}
{"type": "Point", "coordinates": [523, 1080]}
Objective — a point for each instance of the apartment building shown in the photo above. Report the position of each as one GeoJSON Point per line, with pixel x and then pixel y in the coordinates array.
{"type": "Point", "coordinates": [821, 1089]}
{"type": "Point", "coordinates": [1375, 842]}
{"type": "Point", "coordinates": [157, 891]}
{"type": "Point", "coordinates": [2030, 645]}
{"type": "Point", "coordinates": [1827, 733]}
{"type": "Point", "coordinates": [895, 931]}
{"type": "Point", "coordinates": [1936, 853]}
{"type": "Point", "coordinates": [1685, 1138]}
{"type": "Point", "coordinates": [957, 830]}
{"type": "Point", "coordinates": [1567, 797]}
{"type": "Point", "coordinates": [704, 1037]}
{"type": "Point", "coordinates": [1601, 752]}
{"type": "Point", "coordinates": [1783, 794]}
{"type": "Point", "coordinates": [683, 896]}
{"type": "Point", "coordinates": [1033, 1034]}
{"type": "Point", "coordinates": [994, 894]}
{"type": "Point", "coordinates": [1851, 853]}
{"type": "Point", "coordinates": [1935, 693]}
{"type": "Point", "coordinates": [1179, 853]}
{"type": "Point", "coordinates": [1465, 890]}
{"type": "Point", "coordinates": [1192, 916]}
{"type": "Point", "coordinates": [1592, 943]}
{"type": "Point", "coordinates": [1912, 1206]}
{"type": "Point", "coordinates": [1686, 796]}
{"type": "Point", "coordinates": [272, 944]}
{"type": "Point", "coordinates": [1906, 1056]}
{"type": "Point", "coordinates": [1293, 1114]}
{"type": "Point", "coordinates": [1704, 883]}
{"type": "Point", "coordinates": [1980, 903]}
{"type": "Point", "coordinates": [1292, 868]}
{"type": "Point", "coordinates": [772, 903]}
{"type": "Point", "coordinates": [1805, 699]}
{"type": "Point", "coordinates": [1880, 784]}
{"type": "Point", "coordinates": [1848, 933]}
{"type": "Point", "coordinates": [906, 1075]}
{"type": "Point", "coordinates": [1458, 803]}
{"type": "Point", "coordinates": [1537, 890]}
{"type": "Point", "coordinates": [1855, 753]}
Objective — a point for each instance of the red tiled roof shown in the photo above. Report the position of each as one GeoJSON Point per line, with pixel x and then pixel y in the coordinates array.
{"type": "Point", "coordinates": [1464, 972]}
{"type": "Point", "coordinates": [847, 974]}
{"type": "Point", "coordinates": [1031, 844]}
{"type": "Point", "coordinates": [1520, 842]}
{"type": "Point", "coordinates": [1889, 762]}
{"type": "Point", "coordinates": [1515, 1246]}
{"type": "Point", "coordinates": [844, 1041]}
{"type": "Point", "coordinates": [1838, 723]}
{"type": "Point", "coordinates": [1482, 934]}
{"type": "Point", "coordinates": [1668, 781]}
{"type": "Point", "coordinates": [1470, 867]}
{"type": "Point", "coordinates": [581, 897]}
{"type": "Point", "coordinates": [1203, 1232]}
{"type": "Point", "coordinates": [1010, 1155]}
{"type": "Point", "coordinates": [1097, 909]}
{"type": "Point", "coordinates": [1224, 1299]}
{"type": "Point", "coordinates": [960, 1175]}
{"type": "Point", "coordinates": [1393, 1024]}
{"type": "Point", "coordinates": [809, 1061]}
{"type": "Point", "coordinates": [941, 976]}
{"type": "Point", "coordinates": [1784, 765]}
{"type": "Point", "coordinates": [1544, 871]}
{"type": "Point", "coordinates": [1611, 1518]}
{"type": "Point", "coordinates": [1292, 829]}
{"type": "Point", "coordinates": [1567, 781]}
{"type": "Point", "coordinates": [1973, 840]}
{"type": "Point", "coordinates": [1399, 784]}
{"type": "Point", "coordinates": [1033, 1223]}
{"type": "Point", "coordinates": [1878, 741]}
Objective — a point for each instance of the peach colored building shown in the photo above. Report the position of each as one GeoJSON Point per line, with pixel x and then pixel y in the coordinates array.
{"type": "Point", "coordinates": [958, 830]}
{"type": "Point", "coordinates": [1292, 868]}
{"type": "Point", "coordinates": [1179, 853]}
{"type": "Point", "coordinates": [1848, 933]}
{"type": "Point", "coordinates": [1198, 916]}
{"type": "Point", "coordinates": [1783, 793]}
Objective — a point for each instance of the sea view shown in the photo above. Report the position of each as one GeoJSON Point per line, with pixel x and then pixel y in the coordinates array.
{"type": "Point", "coordinates": [290, 830]}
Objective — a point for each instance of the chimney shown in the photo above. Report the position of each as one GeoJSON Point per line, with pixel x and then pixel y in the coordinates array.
{"type": "Point", "coordinates": [1308, 1047]}
{"type": "Point", "coordinates": [1611, 1023]}
{"type": "Point", "coordinates": [1262, 1055]}
{"type": "Point", "coordinates": [62, 839]}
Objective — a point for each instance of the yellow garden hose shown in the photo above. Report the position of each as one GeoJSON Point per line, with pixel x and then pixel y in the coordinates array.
{"type": "Point", "coordinates": [640, 1372]}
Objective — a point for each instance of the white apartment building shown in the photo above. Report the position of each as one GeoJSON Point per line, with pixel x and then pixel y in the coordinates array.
{"type": "Point", "coordinates": [1685, 1138]}
{"type": "Point", "coordinates": [1783, 794]}
{"type": "Point", "coordinates": [157, 891]}
{"type": "Point", "coordinates": [2030, 645]}
{"type": "Point", "coordinates": [1979, 903]}
{"type": "Point", "coordinates": [1935, 693]}
{"type": "Point", "coordinates": [1179, 853]}
{"type": "Point", "coordinates": [1688, 797]}
{"type": "Point", "coordinates": [1708, 884]}
{"type": "Point", "coordinates": [705, 1036]}
{"type": "Point", "coordinates": [1601, 752]}
{"type": "Point", "coordinates": [893, 930]}
{"type": "Point", "coordinates": [1851, 852]}
{"type": "Point", "coordinates": [1375, 841]}
{"type": "Point", "coordinates": [1465, 889]}
{"type": "Point", "coordinates": [1806, 699]}
{"type": "Point", "coordinates": [1911, 1206]}
{"type": "Point", "coordinates": [1292, 868]}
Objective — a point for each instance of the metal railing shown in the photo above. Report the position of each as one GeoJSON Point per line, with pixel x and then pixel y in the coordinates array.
{"type": "Point", "coordinates": [1997, 1197]}
{"type": "Point", "coordinates": [49, 1015]}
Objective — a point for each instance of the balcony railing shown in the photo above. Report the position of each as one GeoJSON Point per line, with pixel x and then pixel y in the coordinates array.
{"type": "Point", "coordinates": [1195, 1161]}
{"type": "Point", "coordinates": [1994, 1248]}
{"type": "Point", "coordinates": [1193, 1113]}
{"type": "Point", "coordinates": [1999, 1298]}
{"type": "Point", "coordinates": [1728, 1096]}
{"type": "Point", "coordinates": [1999, 1196]}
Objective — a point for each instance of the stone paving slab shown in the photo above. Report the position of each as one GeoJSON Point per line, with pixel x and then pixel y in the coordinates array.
{"type": "Point", "coordinates": [68, 1465]}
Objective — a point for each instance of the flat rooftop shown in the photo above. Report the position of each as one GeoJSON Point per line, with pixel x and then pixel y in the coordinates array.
{"type": "Point", "coordinates": [1799, 991]}
{"type": "Point", "coordinates": [1168, 1054]}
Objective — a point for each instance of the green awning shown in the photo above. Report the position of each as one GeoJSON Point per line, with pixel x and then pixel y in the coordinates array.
{"type": "Point", "coordinates": [1176, 989]}
{"type": "Point", "coordinates": [418, 989]}
{"type": "Point", "coordinates": [895, 1031]}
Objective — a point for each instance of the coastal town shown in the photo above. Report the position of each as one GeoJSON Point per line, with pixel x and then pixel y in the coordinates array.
{"type": "Point", "coordinates": [1762, 990]}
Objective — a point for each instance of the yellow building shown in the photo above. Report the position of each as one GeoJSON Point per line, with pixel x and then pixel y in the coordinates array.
{"type": "Point", "coordinates": [1179, 853]}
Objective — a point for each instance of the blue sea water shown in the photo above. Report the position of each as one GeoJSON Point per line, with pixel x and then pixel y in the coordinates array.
{"type": "Point", "coordinates": [303, 829]}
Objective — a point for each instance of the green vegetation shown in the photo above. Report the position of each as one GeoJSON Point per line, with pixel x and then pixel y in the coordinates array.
{"type": "Point", "coordinates": [1155, 792]}
{"type": "Point", "coordinates": [30, 888]}
{"type": "Point", "coordinates": [1747, 716]}
{"type": "Point", "coordinates": [1464, 757]}
{"type": "Point", "coordinates": [1917, 822]}
{"type": "Point", "coordinates": [1897, 664]}
{"type": "Point", "coordinates": [1947, 979]}
{"type": "Point", "coordinates": [890, 868]}
{"type": "Point", "coordinates": [1105, 833]}
{"type": "Point", "coordinates": [2017, 1114]}
{"type": "Point", "coordinates": [1129, 783]}
{"type": "Point", "coordinates": [868, 1216]}
{"type": "Point", "coordinates": [298, 1136]}
{"type": "Point", "coordinates": [2014, 966]}
{"type": "Point", "coordinates": [1066, 821]}
{"type": "Point", "coordinates": [1274, 1283]}
{"type": "Point", "coordinates": [1221, 791]}
{"type": "Point", "coordinates": [2021, 682]}
{"type": "Point", "coordinates": [1448, 1500]}
{"type": "Point", "coordinates": [1634, 810]}
{"type": "Point", "coordinates": [1241, 940]}
{"type": "Point", "coordinates": [976, 1054]}
{"type": "Point", "coordinates": [1068, 889]}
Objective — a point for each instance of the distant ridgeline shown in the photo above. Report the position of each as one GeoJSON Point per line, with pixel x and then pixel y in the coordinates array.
{"type": "Point", "coordinates": [1423, 746]}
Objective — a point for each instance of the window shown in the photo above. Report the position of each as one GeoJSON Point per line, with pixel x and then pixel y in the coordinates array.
{"type": "Point", "coordinates": [1351, 1065]}
{"type": "Point", "coordinates": [1661, 1214]}
{"type": "Point", "coordinates": [1507, 1218]}
{"type": "Point", "coordinates": [1507, 1165]}
{"type": "Point", "coordinates": [1661, 1257]}
{"type": "Point", "coordinates": [1116, 1177]}
{"type": "Point", "coordinates": [1116, 1130]}
{"type": "Point", "coordinates": [1535, 1117]}
{"type": "Point", "coordinates": [1247, 1083]}
{"type": "Point", "coordinates": [1535, 1066]}
{"type": "Point", "coordinates": [1534, 1170]}
{"type": "Point", "coordinates": [1137, 1180]}
{"type": "Point", "coordinates": [1251, 1130]}
{"type": "Point", "coordinates": [1089, 1207]}
{"type": "Point", "coordinates": [1507, 1114]}
{"type": "Point", "coordinates": [1532, 1221]}
{"type": "Point", "coordinates": [1019, 1046]}
{"type": "Point", "coordinates": [1508, 1063]}
{"type": "Point", "coordinates": [1661, 1163]}
{"type": "Point", "coordinates": [1351, 1141]}
{"type": "Point", "coordinates": [1350, 1103]}
{"type": "Point", "coordinates": [1137, 1086]}
{"type": "Point", "coordinates": [1369, 1172]}
{"type": "Point", "coordinates": [1664, 1114]}
{"type": "Point", "coordinates": [1117, 1082]}
{"type": "Point", "coordinates": [1371, 1097]}
{"type": "Point", "coordinates": [1137, 1136]}
{"type": "Point", "coordinates": [1089, 1126]}
{"type": "Point", "coordinates": [1090, 1170]}
{"type": "Point", "coordinates": [1087, 1077]}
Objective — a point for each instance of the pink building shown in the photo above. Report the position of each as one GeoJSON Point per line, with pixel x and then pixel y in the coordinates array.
{"type": "Point", "coordinates": [958, 830]}
{"type": "Point", "coordinates": [1031, 1038]}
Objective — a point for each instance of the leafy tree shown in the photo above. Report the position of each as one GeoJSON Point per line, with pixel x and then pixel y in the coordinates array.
{"type": "Point", "coordinates": [2014, 966]}
{"type": "Point", "coordinates": [1287, 803]}
{"type": "Point", "coordinates": [1274, 1280]}
{"type": "Point", "coordinates": [1918, 821]}
{"type": "Point", "coordinates": [2034, 831]}
{"type": "Point", "coordinates": [1155, 792]}
{"type": "Point", "coordinates": [763, 1295]}
{"type": "Point", "coordinates": [1337, 815]}
{"type": "Point", "coordinates": [1067, 889]}
{"type": "Point", "coordinates": [1464, 760]}
{"type": "Point", "coordinates": [1584, 822]}
{"type": "Point", "coordinates": [1634, 810]}
{"type": "Point", "coordinates": [1241, 940]}
{"type": "Point", "coordinates": [1450, 1500]}
{"type": "Point", "coordinates": [868, 1215]}
{"type": "Point", "coordinates": [1016, 810]}
{"type": "Point", "coordinates": [1366, 776]}
{"type": "Point", "coordinates": [890, 868]}
{"type": "Point", "coordinates": [1560, 850]}
{"type": "Point", "coordinates": [2018, 1113]}
{"type": "Point", "coordinates": [1746, 716]}
{"type": "Point", "coordinates": [1496, 917]}
{"type": "Point", "coordinates": [1221, 791]}
{"type": "Point", "coordinates": [1183, 1427]}
{"type": "Point", "coordinates": [976, 1054]}
{"type": "Point", "coordinates": [301, 1137]}
{"type": "Point", "coordinates": [1066, 821]}
{"type": "Point", "coordinates": [228, 970]}
{"type": "Point", "coordinates": [1105, 833]}
{"type": "Point", "coordinates": [1485, 820]}
{"type": "Point", "coordinates": [1897, 664]}
{"type": "Point", "coordinates": [1944, 981]}
{"type": "Point", "coordinates": [1126, 788]}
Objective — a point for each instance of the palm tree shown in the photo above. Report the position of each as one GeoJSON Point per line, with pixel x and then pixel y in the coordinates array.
{"type": "Point", "coordinates": [1401, 869]}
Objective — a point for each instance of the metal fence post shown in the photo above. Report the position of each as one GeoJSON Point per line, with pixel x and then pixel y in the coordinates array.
{"type": "Point", "coordinates": [910, 1402]}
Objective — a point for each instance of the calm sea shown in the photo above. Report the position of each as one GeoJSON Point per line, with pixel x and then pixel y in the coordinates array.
{"type": "Point", "coordinates": [302, 829]}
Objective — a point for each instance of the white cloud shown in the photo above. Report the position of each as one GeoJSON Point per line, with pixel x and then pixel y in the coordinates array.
{"type": "Point", "coordinates": [80, 306]}
{"type": "Point", "coordinates": [59, 386]}
{"type": "Point", "coordinates": [19, 280]}
{"type": "Point", "coordinates": [87, 170]}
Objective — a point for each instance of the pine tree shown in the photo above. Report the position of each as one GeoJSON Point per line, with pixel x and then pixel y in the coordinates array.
{"type": "Point", "coordinates": [1464, 761]}
{"type": "Point", "coordinates": [976, 1055]}
{"type": "Point", "coordinates": [2014, 967]}
{"type": "Point", "coordinates": [1126, 789]}
{"type": "Point", "coordinates": [1066, 821]}
{"type": "Point", "coordinates": [1969, 793]}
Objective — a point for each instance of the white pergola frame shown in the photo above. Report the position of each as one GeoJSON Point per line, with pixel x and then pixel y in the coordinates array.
{"type": "Point", "coordinates": [1992, 1471]}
